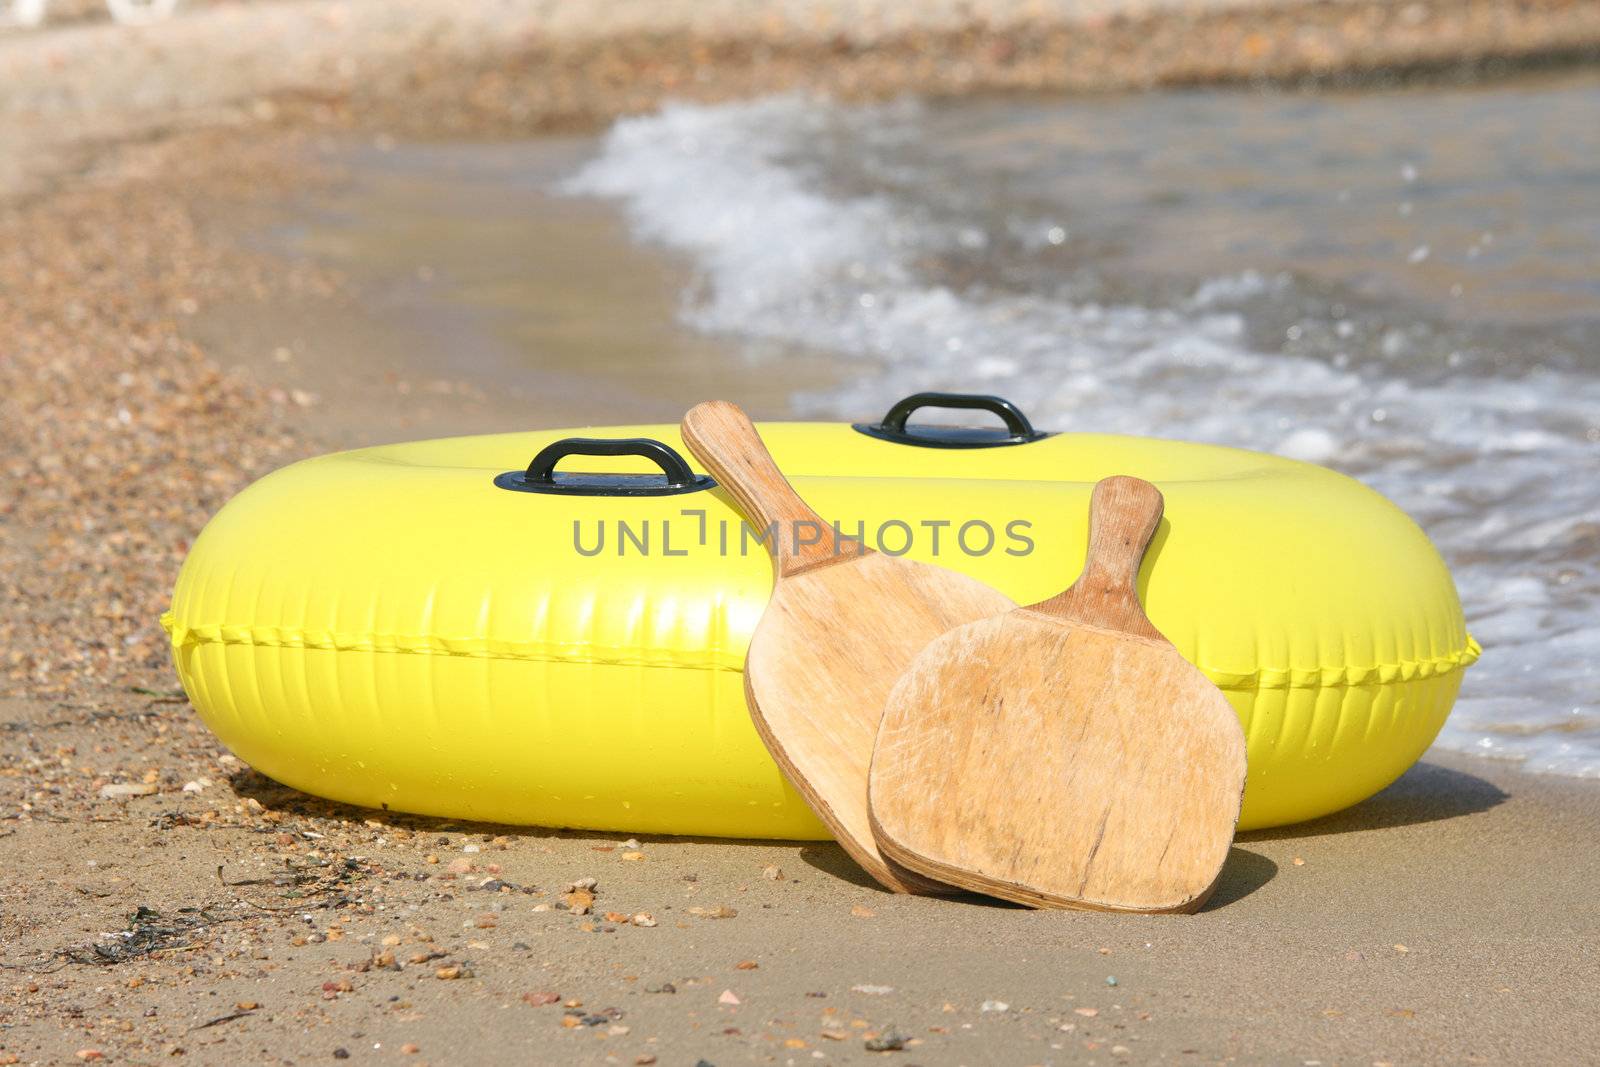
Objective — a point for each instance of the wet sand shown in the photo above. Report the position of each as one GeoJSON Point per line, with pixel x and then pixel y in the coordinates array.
{"type": "Point", "coordinates": [473, 298]}
{"type": "Point", "coordinates": [144, 300]}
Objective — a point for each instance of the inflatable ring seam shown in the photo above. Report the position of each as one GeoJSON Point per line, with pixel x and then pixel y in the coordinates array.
{"type": "Point", "coordinates": [466, 647]}
{"type": "Point", "coordinates": [478, 648]}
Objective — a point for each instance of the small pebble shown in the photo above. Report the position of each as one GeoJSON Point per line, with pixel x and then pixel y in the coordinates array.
{"type": "Point", "coordinates": [995, 1005]}
{"type": "Point", "coordinates": [891, 1040]}
{"type": "Point", "coordinates": [117, 791]}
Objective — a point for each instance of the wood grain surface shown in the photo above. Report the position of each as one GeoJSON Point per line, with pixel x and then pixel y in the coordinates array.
{"type": "Point", "coordinates": [1064, 754]}
{"type": "Point", "coordinates": [843, 623]}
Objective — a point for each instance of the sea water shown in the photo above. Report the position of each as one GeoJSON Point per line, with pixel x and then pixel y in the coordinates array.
{"type": "Point", "coordinates": [1403, 285]}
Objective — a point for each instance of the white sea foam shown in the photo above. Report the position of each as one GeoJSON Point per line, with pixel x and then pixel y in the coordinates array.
{"type": "Point", "coordinates": [1498, 459]}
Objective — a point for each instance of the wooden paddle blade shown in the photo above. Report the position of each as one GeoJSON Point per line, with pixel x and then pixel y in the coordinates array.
{"type": "Point", "coordinates": [1058, 765]}
{"type": "Point", "coordinates": [841, 626]}
{"type": "Point", "coordinates": [821, 663]}
{"type": "Point", "coordinates": [1065, 754]}
{"type": "Point", "coordinates": [723, 438]}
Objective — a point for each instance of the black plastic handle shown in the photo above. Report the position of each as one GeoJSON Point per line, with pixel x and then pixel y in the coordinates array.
{"type": "Point", "coordinates": [543, 468]}
{"type": "Point", "coordinates": [541, 475]}
{"type": "Point", "coordinates": [1009, 413]}
{"type": "Point", "coordinates": [1018, 430]}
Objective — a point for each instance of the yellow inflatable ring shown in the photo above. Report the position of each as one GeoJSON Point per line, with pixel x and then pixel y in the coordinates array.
{"type": "Point", "coordinates": [409, 628]}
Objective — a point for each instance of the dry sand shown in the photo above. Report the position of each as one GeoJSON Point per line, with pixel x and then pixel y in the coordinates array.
{"type": "Point", "coordinates": [1451, 919]}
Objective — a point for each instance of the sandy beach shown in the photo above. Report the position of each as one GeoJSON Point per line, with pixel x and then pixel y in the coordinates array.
{"type": "Point", "coordinates": [166, 343]}
{"type": "Point", "coordinates": [1448, 920]}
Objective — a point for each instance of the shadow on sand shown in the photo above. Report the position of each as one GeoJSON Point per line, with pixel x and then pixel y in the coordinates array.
{"type": "Point", "coordinates": [272, 795]}
{"type": "Point", "coordinates": [1244, 873]}
{"type": "Point", "coordinates": [830, 859]}
{"type": "Point", "coordinates": [1425, 793]}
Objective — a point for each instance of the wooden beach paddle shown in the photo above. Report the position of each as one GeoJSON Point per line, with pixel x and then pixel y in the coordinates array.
{"type": "Point", "coordinates": [1064, 754]}
{"type": "Point", "coordinates": [842, 624]}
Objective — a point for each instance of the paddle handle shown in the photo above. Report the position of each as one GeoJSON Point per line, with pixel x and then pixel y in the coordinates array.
{"type": "Point", "coordinates": [723, 438]}
{"type": "Point", "coordinates": [1123, 515]}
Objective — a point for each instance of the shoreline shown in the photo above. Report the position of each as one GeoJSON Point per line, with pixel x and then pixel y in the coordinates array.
{"type": "Point", "coordinates": [473, 299]}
